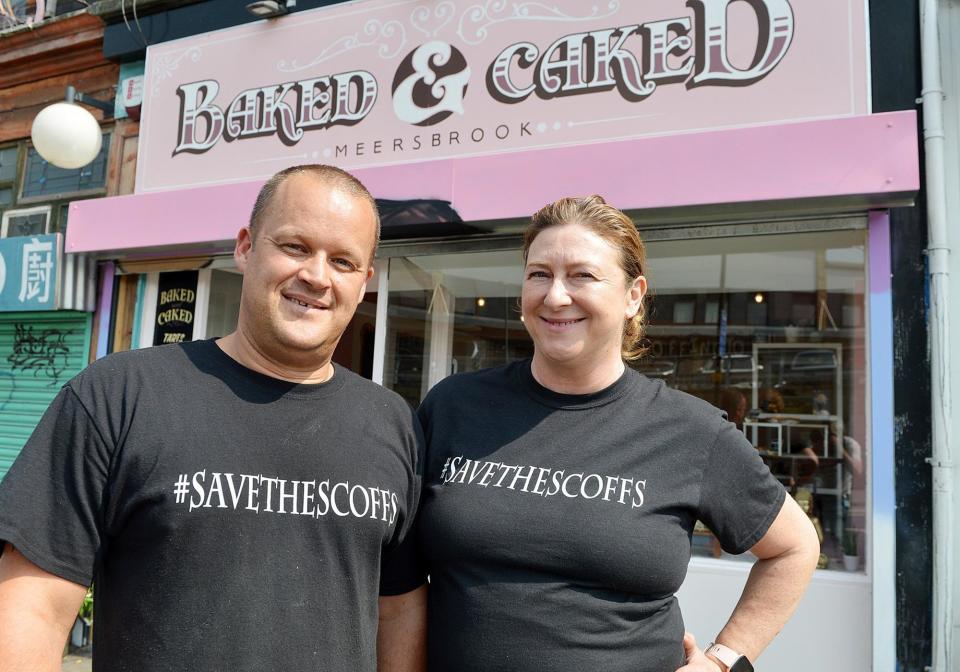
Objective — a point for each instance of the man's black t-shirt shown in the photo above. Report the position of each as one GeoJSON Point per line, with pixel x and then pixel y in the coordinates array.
{"type": "Point", "coordinates": [231, 521]}
{"type": "Point", "coordinates": [556, 528]}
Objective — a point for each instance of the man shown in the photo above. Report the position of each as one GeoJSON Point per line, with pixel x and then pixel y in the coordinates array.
{"type": "Point", "coordinates": [232, 500]}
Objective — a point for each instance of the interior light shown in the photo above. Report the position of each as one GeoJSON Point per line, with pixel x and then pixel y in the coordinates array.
{"type": "Point", "coordinates": [268, 9]}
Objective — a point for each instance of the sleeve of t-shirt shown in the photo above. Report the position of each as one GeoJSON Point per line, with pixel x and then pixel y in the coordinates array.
{"type": "Point", "coordinates": [401, 567]}
{"type": "Point", "coordinates": [51, 499]}
{"type": "Point", "coordinates": [739, 497]}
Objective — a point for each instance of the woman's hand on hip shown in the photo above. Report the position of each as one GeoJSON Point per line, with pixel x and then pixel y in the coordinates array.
{"type": "Point", "coordinates": [697, 661]}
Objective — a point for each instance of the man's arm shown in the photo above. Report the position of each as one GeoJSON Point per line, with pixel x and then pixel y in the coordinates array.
{"type": "Point", "coordinates": [37, 610]}
{"type": "Point", "coordinates": [402, 635]}
{"type": "Point", "coordinates": [787, 555]}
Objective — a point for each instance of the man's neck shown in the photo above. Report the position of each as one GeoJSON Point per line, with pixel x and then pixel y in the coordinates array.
{"type": "Point", "coordinates": [241, 349]}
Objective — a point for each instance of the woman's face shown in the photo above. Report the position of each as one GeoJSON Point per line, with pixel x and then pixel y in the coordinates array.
{"type": "Point", "coordinates": [575, 297]}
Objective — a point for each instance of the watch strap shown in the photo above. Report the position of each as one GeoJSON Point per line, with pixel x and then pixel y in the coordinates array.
{"type": "Point", "coordinates": [733, 661]}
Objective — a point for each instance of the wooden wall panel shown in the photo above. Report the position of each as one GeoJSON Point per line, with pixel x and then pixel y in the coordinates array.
{"type": "Point", "coordinates": [36, 65]}
{"type": "Point", "coordinates": [123, 160]}
{"type": "Point", "coordinates": [55, 47]}
{"type": "Point", "coordinates": [124, 312]}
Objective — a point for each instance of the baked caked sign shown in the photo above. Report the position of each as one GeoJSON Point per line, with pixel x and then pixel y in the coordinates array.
{"type": "Point", "coordinates": [383, 82]}
{"type": "Point", "coordinates": [435, 79]}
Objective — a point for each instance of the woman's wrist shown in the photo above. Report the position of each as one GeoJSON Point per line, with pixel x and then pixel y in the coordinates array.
{"type": "Point", "coordinates": [719, 665]}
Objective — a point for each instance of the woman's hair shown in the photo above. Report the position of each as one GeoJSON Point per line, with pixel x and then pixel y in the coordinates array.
{"type": "Point", "coordinates": [617, 229]}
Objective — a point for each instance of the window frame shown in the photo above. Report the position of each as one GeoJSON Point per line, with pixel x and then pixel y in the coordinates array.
{"type": "Point", "coordinates": [24, 212]}
{"type": "Point", "coordinates": [95, 192]}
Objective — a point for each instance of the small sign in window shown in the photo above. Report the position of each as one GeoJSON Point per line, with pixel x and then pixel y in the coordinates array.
{"type": "Point", "coordinates": [176, 307]}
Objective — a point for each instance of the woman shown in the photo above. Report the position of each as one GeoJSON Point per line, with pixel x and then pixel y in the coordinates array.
{"type": "Point", "coordinates": [561, 492]}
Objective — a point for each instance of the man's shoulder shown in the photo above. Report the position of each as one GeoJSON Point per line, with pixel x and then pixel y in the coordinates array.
{"type": "Point", "coordinates": [131, 364]}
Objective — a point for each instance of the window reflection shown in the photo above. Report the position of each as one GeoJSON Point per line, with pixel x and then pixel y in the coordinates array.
{"type": "Point", "coordinates": [771, 330]}
{"type": "Point", "coordinates": [452, 313]}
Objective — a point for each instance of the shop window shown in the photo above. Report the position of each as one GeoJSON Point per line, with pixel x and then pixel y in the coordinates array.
{"type": "Point", "coordinates": [768, 328]}
{"type": "Point", "coordinates": [224, 302]}
{"type": "Point", "coordinates": [44, 180]}
{"type": "Point", "coordinates": [451, 313]}
{"type": "Point", "coordinates": [788, 365]}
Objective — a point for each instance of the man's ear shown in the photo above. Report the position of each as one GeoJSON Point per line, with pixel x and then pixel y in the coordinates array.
{"type": "Point", "coordinates": [366, 281]}
{"type": "Point", "coordinates": [242, 248]}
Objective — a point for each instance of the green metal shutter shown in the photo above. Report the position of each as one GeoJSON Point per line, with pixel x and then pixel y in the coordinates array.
{"type": "Point", "coordinates": [39, 352]}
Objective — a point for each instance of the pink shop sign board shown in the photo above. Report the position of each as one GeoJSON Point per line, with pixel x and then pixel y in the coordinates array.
{"type": "Point", "coordinates": [375, 82]}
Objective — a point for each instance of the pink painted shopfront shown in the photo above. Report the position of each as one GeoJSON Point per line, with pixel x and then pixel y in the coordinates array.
{"type": "Point", "coordinates": [738, 135]}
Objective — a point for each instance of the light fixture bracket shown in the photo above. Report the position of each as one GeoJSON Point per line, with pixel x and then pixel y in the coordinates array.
{"type": "Point", "coordinates": [74, 96]}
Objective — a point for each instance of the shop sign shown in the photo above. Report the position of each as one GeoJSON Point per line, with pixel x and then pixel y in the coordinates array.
{"type": "Point", "coordinates": [30, 272]}
{"type": "Point", "coordinates": [176, 307]}
{"type": "Point", "coordinates": [375, 82]}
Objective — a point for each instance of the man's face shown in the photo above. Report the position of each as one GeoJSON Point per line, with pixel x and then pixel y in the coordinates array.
{"type": "Point", "coordinates": [306, 271]}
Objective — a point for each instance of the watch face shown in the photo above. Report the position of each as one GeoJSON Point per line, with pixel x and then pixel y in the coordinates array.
{"type": "Point", "coordinates": [742, 665]}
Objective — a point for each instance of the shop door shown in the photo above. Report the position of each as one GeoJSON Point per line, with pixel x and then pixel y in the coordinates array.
{"type": "Point", "coordinates": [39, 352]}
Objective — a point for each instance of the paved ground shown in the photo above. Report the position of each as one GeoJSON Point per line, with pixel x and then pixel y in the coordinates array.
{"type": "Point", "coordinates": [77, 661]}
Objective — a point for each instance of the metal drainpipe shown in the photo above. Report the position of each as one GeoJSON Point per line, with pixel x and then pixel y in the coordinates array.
{"type": "Point", "coordinates": [938, 260]}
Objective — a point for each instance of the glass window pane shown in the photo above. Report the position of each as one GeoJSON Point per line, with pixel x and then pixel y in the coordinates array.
{"type": "Point", "coordinates": [45, 179]}
{"type": "Point", "coordinates": [6, 196]}
{"type": "Point", "coordinates": [62, 219]}
{"type": "Point", "coordinates": [8, 164]}
{"type": "Point", "coordinates": [452, 313]}
{"type": "Point", "coordinates": [224, 306]}
{"type": "Point", "coordinates": [770, 329]}
{"type": "Point", "coordinates": [67, 6]}
{"type": "Point", "coordinates": [27, 225]}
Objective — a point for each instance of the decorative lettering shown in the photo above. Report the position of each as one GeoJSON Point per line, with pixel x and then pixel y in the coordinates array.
{"type": "Point", "coordinates": [601, 60]}
{"type": "Point", "coordinates": [430, 84]}
{"type": "Point", "coordinates": [196, 105]}
{"type": "Point", "coordinates": [776, 23]}
{"type": "Point", "coordinates": [286, 110]}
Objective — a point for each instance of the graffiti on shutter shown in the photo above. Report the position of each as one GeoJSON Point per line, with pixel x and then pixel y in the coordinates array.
{"type": "Point", "coordinates": [39, 352]}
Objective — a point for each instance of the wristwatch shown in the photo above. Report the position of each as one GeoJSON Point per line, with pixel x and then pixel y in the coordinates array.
{"type": "Point", "coordinates": [734, 661]}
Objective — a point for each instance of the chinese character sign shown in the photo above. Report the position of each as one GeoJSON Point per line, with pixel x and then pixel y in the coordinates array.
{"type": "Point", "coordinates": [37, 271]}
{"type": "Point", "coordinates": [30, 272]}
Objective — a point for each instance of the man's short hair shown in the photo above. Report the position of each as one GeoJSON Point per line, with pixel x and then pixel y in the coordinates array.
{"type": "Point", "coordinates": [331, 175]}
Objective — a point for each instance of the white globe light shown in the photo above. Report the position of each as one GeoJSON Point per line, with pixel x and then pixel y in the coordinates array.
{"type": "Point", "coordinates": [66, 135]}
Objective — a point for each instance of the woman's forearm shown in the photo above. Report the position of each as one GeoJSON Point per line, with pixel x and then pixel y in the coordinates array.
{"type": "Point", "coordinates": [787, 556]}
